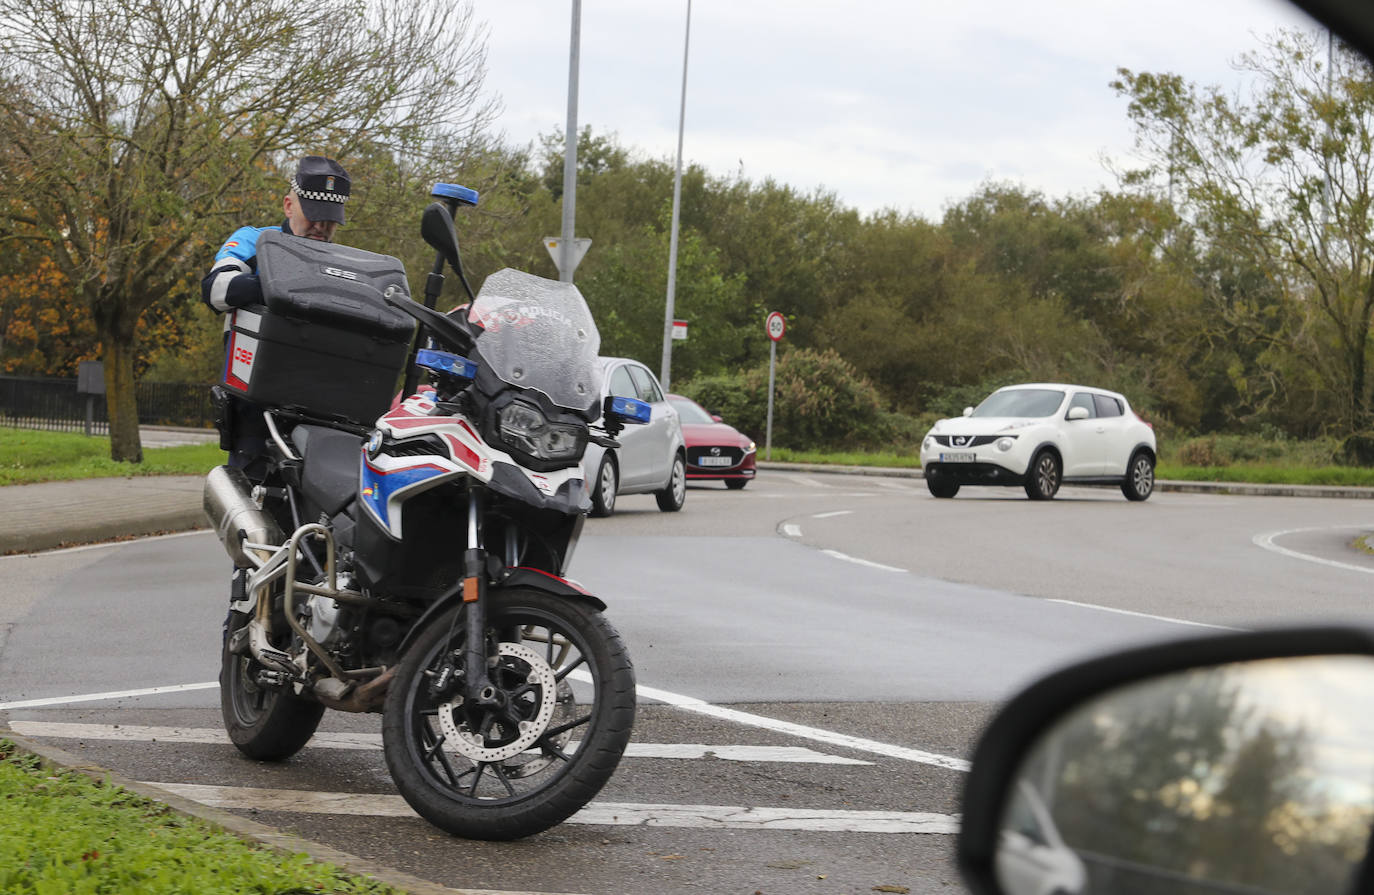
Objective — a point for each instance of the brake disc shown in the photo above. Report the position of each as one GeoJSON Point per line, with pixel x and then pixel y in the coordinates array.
{"type": "Point", "coordinates": [471, 744]}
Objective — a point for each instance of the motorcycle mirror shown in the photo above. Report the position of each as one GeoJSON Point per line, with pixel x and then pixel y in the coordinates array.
{"type": "Point", "coordinates": [436, 226]}
{"type": "Point", "coordinates": [1237, 763]}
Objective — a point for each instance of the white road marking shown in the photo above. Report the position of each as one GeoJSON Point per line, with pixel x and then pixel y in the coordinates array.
{"type": "Point", "coordinates": [114, 694]}
{"type": "Point", "coordinates": [686, 703]}
{"type": "Point", "coordinates": [1158, 618]}
{"type": "Point", "coordinates": [719, 817]}
{"type": "Point", "coordinates": [833, 514]}
{"type": "Point", "coordinates": [373, 741]}
{"type": "Point", "coordinates": [1266, 541]}
{"type": "Point", "coordinates": [801, 731]}
{"type": "Point", "coordinates": [791, 530]}
{"type": "Point", "coordinates": [863, 562]}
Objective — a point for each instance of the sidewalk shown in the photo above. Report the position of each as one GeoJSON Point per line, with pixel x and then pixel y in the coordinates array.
{"type": "Point", "coordinates": [63, 514]}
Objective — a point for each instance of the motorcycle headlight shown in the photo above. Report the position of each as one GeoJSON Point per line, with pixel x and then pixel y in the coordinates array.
{"type": "Point", "coordinates": [528, 431]}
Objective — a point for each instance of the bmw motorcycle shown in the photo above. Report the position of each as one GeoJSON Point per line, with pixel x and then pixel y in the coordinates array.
{"type": "Point", "coordinates": [417, 566]}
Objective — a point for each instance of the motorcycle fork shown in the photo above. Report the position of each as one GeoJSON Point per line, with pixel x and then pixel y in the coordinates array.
{"type": "Point", "coordinates": [477, 685]}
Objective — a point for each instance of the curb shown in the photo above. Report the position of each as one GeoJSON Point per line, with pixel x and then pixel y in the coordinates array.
{"type": "Point", "coordinates": [250, 831]}
{"type": "Point", "coordinates": [1232, 488]}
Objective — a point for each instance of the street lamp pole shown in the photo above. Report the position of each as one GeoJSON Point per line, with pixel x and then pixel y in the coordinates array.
{"type": "Point", "coordinates": [665, 372]}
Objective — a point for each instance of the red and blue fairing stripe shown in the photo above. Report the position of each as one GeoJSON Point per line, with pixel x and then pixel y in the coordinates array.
{"type": "Point", "coordinates": [377, 486]}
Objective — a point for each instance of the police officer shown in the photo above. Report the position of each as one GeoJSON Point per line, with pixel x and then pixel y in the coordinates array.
{"type": "Point", "coordinates": [314, 208]}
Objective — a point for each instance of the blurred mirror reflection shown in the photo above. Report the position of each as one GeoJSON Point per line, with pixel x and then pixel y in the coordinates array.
{"type": "Point", "coordinates": [1254, 778]}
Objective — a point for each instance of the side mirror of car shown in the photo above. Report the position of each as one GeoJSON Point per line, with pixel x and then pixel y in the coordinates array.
{"type": "Point", "coordinates": [1236, 763]}
{"type": "Point", "coordinates": [717, 418]}
{"type": "Point", "coordinates": [968, 411]}
{"type": "Point", "coordinates": [1078, 412]}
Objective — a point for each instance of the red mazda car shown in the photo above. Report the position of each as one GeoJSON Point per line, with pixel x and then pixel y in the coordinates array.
{"type": "Point", "coordinates": [715, 451]}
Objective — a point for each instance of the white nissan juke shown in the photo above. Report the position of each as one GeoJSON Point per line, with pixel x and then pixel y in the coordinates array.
{"type": "Point", "coordinates": [1039, 436]}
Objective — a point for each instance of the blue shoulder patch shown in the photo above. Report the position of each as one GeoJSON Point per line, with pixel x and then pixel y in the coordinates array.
{"type": "Point", "coordinates": [242, 244]}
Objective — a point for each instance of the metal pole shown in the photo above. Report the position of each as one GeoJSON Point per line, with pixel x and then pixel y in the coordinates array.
{"type": "Point", "coordinates": [665, 372]}
{"type": "Point", "coordinates": [768, 435]}
{"type": "Point", "coordinates": [565, 248]}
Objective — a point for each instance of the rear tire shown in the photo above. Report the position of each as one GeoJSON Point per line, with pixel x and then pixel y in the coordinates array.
{"type": "Point", "coordinates": [607, 483]}
{"type": "Point", "coordinates": [1044, 477]}
{"type": "Point", "coordinates": [568, 689]}
{"type": "Point", "coordinates": [267, 724]}
{"type": "Point", "coordinates": [1139, 482]}
{"type": "Point", "coordinates": [671, 498]}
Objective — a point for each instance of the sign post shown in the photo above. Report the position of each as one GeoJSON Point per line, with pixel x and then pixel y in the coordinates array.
{"type": "Point", "coordinates": [774, 326]}
{"type": "Point", "coordinates": [90, 381]}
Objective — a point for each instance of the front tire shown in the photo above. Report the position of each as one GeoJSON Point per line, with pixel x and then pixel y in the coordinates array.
{"type": "Point", "coordinates": [1044, 477]}
{"type": "Point", "coordinates": [265, 723]}
{"type": "Point", "coordinates": [941, 488]}
{"type": "Point", "coordinates": [607, 483]}
{"type": "Point", "coordinates": [1139, 483]}
{"type": "Point", "coordinates": [671, 498]}
{"type": "Point", "coordinates": [508, 772]}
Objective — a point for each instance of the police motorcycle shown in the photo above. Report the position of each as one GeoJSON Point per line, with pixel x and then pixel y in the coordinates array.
{"type": "Point", "coordinates": [412, 559]}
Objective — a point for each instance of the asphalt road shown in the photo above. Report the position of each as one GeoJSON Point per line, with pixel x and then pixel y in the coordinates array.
{"type": "Point", "coordinates": [816, 655]}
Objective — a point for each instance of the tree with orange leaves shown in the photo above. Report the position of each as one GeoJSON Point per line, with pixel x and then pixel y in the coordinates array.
{"type": "Point", "coordinates": [132, 134]}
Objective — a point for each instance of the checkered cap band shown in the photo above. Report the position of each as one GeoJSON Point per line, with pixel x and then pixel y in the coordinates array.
{"type": "Point", "coordinates": [317, 195]}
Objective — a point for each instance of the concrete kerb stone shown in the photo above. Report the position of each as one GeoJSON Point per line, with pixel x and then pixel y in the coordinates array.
{"type": "Point", "coordinates": [1232, 488]}
{"type": "Point", "coordinates": [248, 830]}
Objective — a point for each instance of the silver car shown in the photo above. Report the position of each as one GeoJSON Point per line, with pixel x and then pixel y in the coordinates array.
{"type": "Point", "coordinates": [651, 458]}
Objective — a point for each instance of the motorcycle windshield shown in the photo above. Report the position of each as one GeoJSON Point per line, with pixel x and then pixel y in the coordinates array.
{"type": "Point", "coordinates": [539, 334]}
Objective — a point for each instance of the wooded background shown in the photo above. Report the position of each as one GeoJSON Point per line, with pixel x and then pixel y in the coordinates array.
{"type": "Point", "coordinates": [1224, 285]}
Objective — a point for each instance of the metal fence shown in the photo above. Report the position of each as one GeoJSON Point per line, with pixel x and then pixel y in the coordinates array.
{"type": "Point", "coordinates": [55, 404]}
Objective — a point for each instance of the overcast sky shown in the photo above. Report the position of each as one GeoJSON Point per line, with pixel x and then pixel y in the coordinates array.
{"type": "Point", "coordinates": [909, 104]}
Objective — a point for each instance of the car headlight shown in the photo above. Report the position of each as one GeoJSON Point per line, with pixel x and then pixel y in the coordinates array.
{"type": "Point", "coordinates": [528, 431]}
{"type": "Point", "coordinates": [928, 443]}
{"type": "Point", "coordinates": [1006, 442]}
{"type": "Point", "coordinates": [752, 447]}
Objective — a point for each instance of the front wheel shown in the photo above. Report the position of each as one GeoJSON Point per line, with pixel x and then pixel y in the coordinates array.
{"type": "Point", "coordinates": [1043, 481]}
{"type": "Point", "coordinates": [1139, 483]}
{"type": "Point", "coordinates": [940, 487]}
{"type": "Point", "coordinates": [266, 723]}
{"type": "Point", "coordinates": [671, 498]}
{"type": "Point", "coordinates": [554, 733]}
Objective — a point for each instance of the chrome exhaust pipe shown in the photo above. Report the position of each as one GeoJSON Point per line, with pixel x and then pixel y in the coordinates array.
{"type": "Point", "coordinates": [236, 517]}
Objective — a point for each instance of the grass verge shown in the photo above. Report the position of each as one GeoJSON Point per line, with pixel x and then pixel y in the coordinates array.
{"type": "Point", "coordinates": [31, 455]}
{"type": "Point", "coordinates": [61, 831]}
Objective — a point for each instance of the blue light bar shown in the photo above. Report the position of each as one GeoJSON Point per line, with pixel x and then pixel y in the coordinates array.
{"type": "Point", "coordinates": [630, 410]}
{"type": "Point", "coordinates": [446, 362]}
{"type": "Point", "coordinates": [464, 195]}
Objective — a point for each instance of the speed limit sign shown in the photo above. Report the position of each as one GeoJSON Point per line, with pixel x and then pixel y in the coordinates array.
{"type": "Point", "coordinates": [775, 326]}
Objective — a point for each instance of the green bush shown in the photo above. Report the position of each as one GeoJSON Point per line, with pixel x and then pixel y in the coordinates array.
{"type": "Point", "coordinates": [820, 401]}
{"type": "Point", "coordinates": [1221, 450]}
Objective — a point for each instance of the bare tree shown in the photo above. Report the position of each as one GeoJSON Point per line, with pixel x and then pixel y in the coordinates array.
{"type": "Point", "coordinates": [129, 129]}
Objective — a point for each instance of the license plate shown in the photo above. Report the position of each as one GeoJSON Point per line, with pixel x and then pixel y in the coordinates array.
{"type": "Point", "coordinates": [714, 461]}
{"type": "Point", "coordinates": [962, 457]}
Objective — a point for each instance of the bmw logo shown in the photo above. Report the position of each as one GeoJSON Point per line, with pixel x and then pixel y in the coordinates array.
{"type": "Point", "coordinates": [374, 444]}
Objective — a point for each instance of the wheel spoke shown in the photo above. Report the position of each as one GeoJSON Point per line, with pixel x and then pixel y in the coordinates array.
{"type": "Point", "coordinates": [429, 753]}
{"type": "Point", "coordinates": [501, 775]}
{"type": "Point", "coordinates": [433, 751]}
{"type": "Point", "coordinates": [550, 749]}
{"type": "Point", "coordinates": [564, 672]}
{"type": "Point", "coordinates": [481, 766]}
{"type": "Point", "coordinates": [564, 728]}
